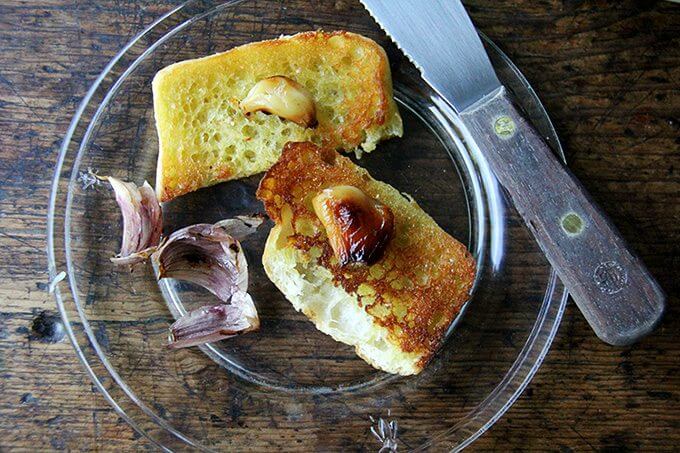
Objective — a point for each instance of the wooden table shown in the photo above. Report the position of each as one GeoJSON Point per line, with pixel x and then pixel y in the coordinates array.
{"type": "Point", "coordinates": [608, 73]}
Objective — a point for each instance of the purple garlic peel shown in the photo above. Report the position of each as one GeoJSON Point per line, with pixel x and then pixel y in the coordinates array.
{"type": "Point", "coordinates": [244, 302]}
{"type": "Point", "coordinates": [241, 226]}
{"type": "Point", "coordinates": [211, 256]}
{"type": "Point", "coordinates": [142, 220]}
{"type": "Point", "coordinates": [208, 255]}
{"type": "Point", "coordinates": [210, 324]}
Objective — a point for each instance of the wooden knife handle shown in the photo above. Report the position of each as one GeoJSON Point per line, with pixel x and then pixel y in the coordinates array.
{"type": "Point", "coordinates": [611, 286]}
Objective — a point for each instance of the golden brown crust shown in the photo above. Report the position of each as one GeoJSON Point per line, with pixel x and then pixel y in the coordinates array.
{"type": "Point", "coordinates": [365, 87]}
{"type": "Point", "coordinates": [419, 285]}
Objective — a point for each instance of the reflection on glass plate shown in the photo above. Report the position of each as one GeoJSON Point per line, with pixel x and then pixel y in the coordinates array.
{"type": "Point", "coordinates": [288, 385]}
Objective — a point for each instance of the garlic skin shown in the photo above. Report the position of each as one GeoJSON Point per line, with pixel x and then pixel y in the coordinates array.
{"type": "Point", "coordinates": [358, 227]}
{"type": "Point", "coordinates": [211, 256]}
{"type": "Point", "coordinates": [210, 324]}
{"type": "Point", "coordinates": [208, 255]}
{"type": "Point", "coordinates": [284, 97]}
{"type": "Point", "coordinates": [133, 258]}
{"type": "Point", "coordinates": [142, 220]}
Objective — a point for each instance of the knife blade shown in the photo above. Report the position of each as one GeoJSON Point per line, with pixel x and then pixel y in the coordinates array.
{"type": "Point", "coordinates": [611, 286]}
{"type": "Point", "coordinates": [455, 40]}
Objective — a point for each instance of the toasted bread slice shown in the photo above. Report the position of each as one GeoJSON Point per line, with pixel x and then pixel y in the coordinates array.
{"type": "Point", "coordinates": [395, 311]}
{"type": "Point", "coordinates": [205, 138]}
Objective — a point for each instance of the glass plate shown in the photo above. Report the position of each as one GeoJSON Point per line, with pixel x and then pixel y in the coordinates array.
{"type": "Point", "coordinates": [289, 386]}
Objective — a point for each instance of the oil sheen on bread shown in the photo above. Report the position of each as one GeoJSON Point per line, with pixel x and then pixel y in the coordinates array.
{"type": "Point", "coordinates": [394, 311]}
{"type": "Point", "coordinates": [205, 137]}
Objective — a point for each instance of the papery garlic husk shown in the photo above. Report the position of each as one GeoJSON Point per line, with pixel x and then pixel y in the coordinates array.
{"type": "Point", "coordinates": [208, 255]}
{"type": "Point", "coordinates": [142, 220]}
{"type": "Point", "coordinates": [134, 258]}
{"type": "Point", "coordinates": [210, 324]}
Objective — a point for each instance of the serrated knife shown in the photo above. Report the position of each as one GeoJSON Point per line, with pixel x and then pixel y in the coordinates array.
{"type": "Point", "coordinates": [611, 286]}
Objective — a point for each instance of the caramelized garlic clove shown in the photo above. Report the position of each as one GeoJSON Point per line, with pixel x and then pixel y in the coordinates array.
{"type": "Point", "coordinates": [358, 227]}
{"type": "Point", "coordinates": [284, 97]}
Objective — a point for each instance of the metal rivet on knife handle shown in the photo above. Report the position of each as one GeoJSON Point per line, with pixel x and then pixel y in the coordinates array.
{"type": "Point", "coordinates": [572, 224]}
{"type": "Point", "coordinates": [610, 277]}
{"type": "Point", "coordinates": [504, 127]}
{"type": "Point", "coordinates": [611, 286]}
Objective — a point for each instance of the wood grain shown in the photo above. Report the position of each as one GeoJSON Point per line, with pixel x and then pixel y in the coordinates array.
{"type": "Point", "coordinates": [608, 73]}
{"type": "Point", "coordinates": [613, 289]}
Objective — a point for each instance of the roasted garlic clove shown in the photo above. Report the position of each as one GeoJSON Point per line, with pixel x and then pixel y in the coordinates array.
{"type": "Point", "coordinates": [283, 97]}
{"type": "Point", "coordinates": [358, 226]}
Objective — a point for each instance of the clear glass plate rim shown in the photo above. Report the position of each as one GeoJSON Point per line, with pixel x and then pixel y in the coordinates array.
{"type": "Point", "coordinates": [53, 271]}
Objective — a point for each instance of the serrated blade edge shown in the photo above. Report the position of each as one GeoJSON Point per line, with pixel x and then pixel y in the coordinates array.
{"type": "Point", "coordinates": [438, 37]}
